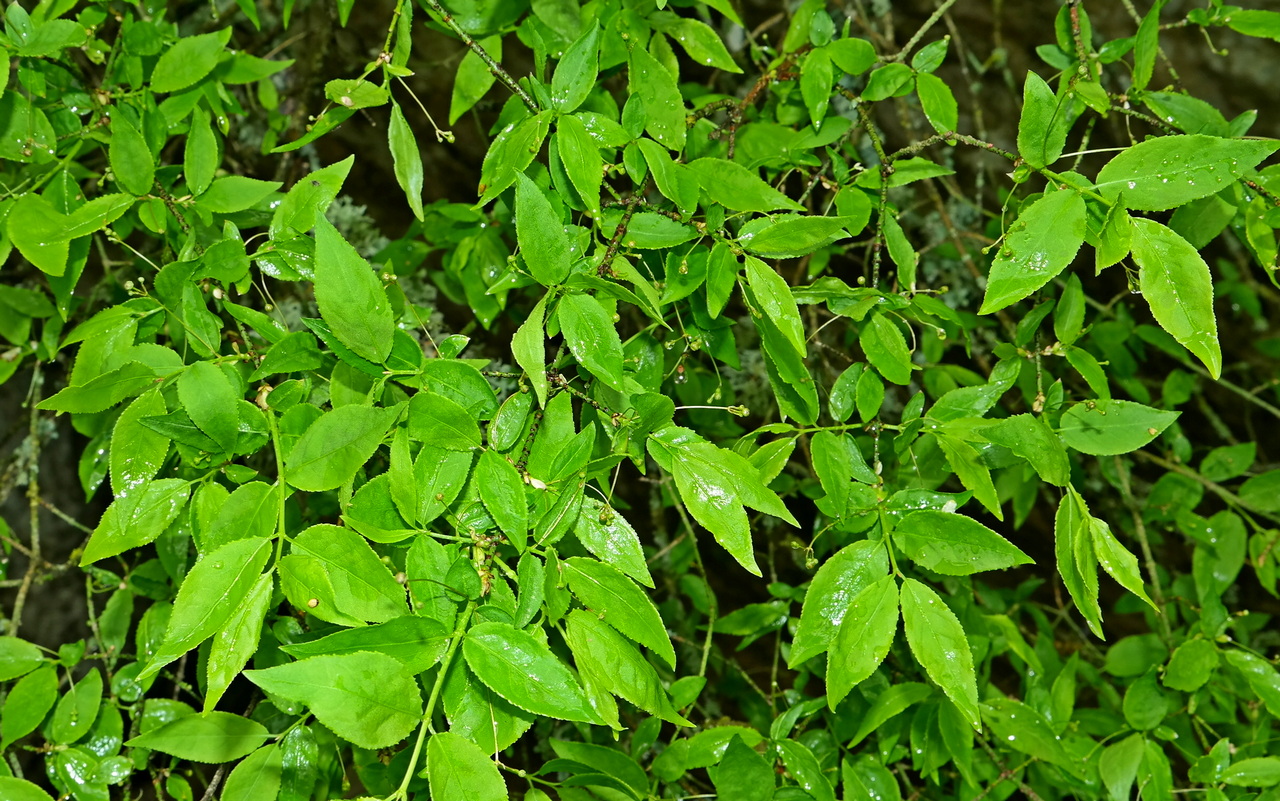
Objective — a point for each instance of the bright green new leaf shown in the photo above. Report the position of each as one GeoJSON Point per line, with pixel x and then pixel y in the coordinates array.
{"type": "Point", "coordinates": [620, 603]}
{"type": "Point", "coordinates": [1168, 171]}
{"type": "Point", "coordinates": [1117, 560]}
{"type": "Point", "coordinates": [77, 709]}
{"type": "Point", "coordinates": [189, 60]}
{"type": "Point", "coordinates": [1041, 243]}
{"type": "Point", "coordinates": [1042, 127]}
{"type": "Point", "coordinates": [200, 155]}
{"type": "Point", "coordinates": [473, 79]}
{"type": "Point", "coordinates": [937, 102]}
{"type": "Point", "coordinates": [211, 593]}
{"type": "Point", "coordinates": [209, 398]}
{"type": "Point", "coordinates": [791, 237]}
{"type": "Point", "coordinates": [575, 74]}
{"type": "Point", "coordinates": [528, 348]}
{"type": "Point", "coordinates": [131, 161]}
{"type": "Point", "coordinates": [805, 768]}
{"type": "Point", "coordinates": [592, 338]}
{"type": "Point", "coordinates": [854, 56]}
{"type": "Point", "coordinates": [840, 579]}
{"type": "Point", "coordinates": [886, 348]}
{"type": "Point", "coordinates": [525, 672]}
{"type": "Point", "coordinates": [457, 770]}
{"type": "Point", "coordinates": [296, 214]}
{"type": "Point", "coordinates": [336, 445]}
{"type": "Point", "coordinates": [406, 158]}
{"type": "Point", "coordinates": [664, 107]}
{"type": "Point", "coordinates": [236, 641]}
{"type": "Point", "coordinates": [367, 698]}
{"type": "Point", "coordinates": [1031, 438]}
{"type": "Point", "coordinates": [356, 93]}
{"type": "Point", "coordinates": [510, 153]}
{"type": "Point", "coordinates": [232, 193]}
{"type": "Point", "coordinates": [502, 491]}
{"type": "Point", "coordinates": [17, 657]}
{"type": "Point", "coordinates": [1073, 549]}
{"type": "Point", "coordinates": [28, 703]}
{"type": "Point", "coordinates": [607, 534]}
{"type": "Point", "coordinates": [1175, 282]}
{"type": "Point", "coordinates": [351, 298]}
{"type": "Point", "coordinates": [363, 586]}
{"type": "Point", "coordinates": [698, 39]}
{"type": "Point", "coordinates": [738, 188]}
{"type": "Point", "coordinates": [581, 156]}
{"type": "Point", "coordinates": [863, 639]}
{"type": "Point", "coordinates": [774, 297]}
{"type": "Point", "coordinates": [443, 423]}
{"type": "Point", "coordinates": [257, 776]}
{"type": "Point", "coordinates": [416, 642]}
{"type": "Point", "coordinates": [1025, 730]}
{"type": "Point", "coordinates": [938, 641]}
{"type": "Point", "coordinates": [1112, 427]}
{"type": "Point", "coordinates": [211, 737]}
{"type": "Point", "coordinates": [954, 544]}
{"type": "Point", "coordinates": [816, 76]}
{"type": "Point", "coordinates": [136, 520]}
{"type": "Point", "coordinates": [1262, 677]}
{"type": "Point", "coordinates": [21, 790]}
{"type": "Point", "coordinates": [605, 656]}
{"type": "Point", "coordinates": [542, 237]}
{"type": "Point", "coordinates": [137, 452]}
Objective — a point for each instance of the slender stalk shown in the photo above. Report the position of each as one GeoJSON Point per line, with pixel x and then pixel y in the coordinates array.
{"type": "Point", "coordinates": [494, 67]}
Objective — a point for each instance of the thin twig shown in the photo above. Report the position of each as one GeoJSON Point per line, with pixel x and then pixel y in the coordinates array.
{"type": "Point", "coordinates": [494, 67]}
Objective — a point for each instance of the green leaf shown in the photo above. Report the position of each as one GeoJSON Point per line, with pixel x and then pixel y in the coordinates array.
{"type": "Point", "coordinates": [1168, 171]}
{"type": "Point", "coordinates": [208, 397]}
{"type": "Point", "coordinates": [1031, 438]}
{"type": "Point", "coordinates": [863, 639]}
{"type": "Point", "coordinates": [479, 714]}
{"type": "Point", "coordinates": [232, 193]}
{"type": "Point", "coordinates": [1117, 560]}
{"type": "Point", "coordinates": [1261, 676]}
{"type": "Point", "coordinates": [675, 181]}
{"type": "Point", "coordinates": [1039, 244]}
{"type": "Point", "coordinates": [854, 56]}
{"type": "Point", "coordinates": [528, 348]}
{"type": "Point", "coordinates": [774, 298]}
{"type": "Point", "coordinates": [367, 698]}
{"type": "Point", "coordinates": [743, 774]}
{"type": "Point", "coordinates": [954, 544]}
{"type": "Point", "coordinates": [1118, 766]}
{"type": "Point", "coordinates": [200, 154]}
{"type": "Point", "coordinates": [664, 108]}
{"type": "Point", "coordinates": [336, 445]}
{"type": "Point", "coordinates": [937, 102]}
{"type": "Point", "coordinates": [592, 338]}
{"type": "Point", "coordinates": [1042, 127]}
{"type": "Point", "coordinates": [1145, 45]}
{"type": "Point", "coordinates": [973, 474]}
{"type": "Point", "coordinates": [604, 656]}
{"type": "Point", "coordinates": [1145, 705]}
{"type": "Point", "coordinates": [523, 671]}
{"type": "Point", "coordinates": [137, 454]}
{"type": "Point", "coordinates": [1175, 282]}
{"type": "Point", "coordinates": [805, 768]}
{"type": "Point", "coordinates": [938, 642]}
{"type": "Point", "coordinates": [457, 770]}
{"type": "Point", "coordinates": [256, 777]}
{"type": "Point", "coordinates": [103, 391]}
{"type": "Point", "coordinates": [77, 709]}
{"type": "Point", "coordinates": [363, 586]}
{"type": "Point", "coordinates": [795, 236]}
{"type": "Point", "coordinates": [542, 237]}
{"type": "Point", "coordinates": [416, 642]}
{"type": "Point", "coordinates": [1253, 772]}
{"type": "Point", "coordinates": [1025, 729]}
{"type": "Point", "coordinates": [356, 93]}
{"type": "Point", "coordinates": [510, 153]}
{"type": "Point", "coordinates": [17, 656]}
{"type": "Point", "coordinates": [236, 641]}
{"type": "Point", "coordinates": [841, 578]}
{"type": "Point", "coordinates": [581, 156]}
{"type": "Point", "coordinates": [1073, 548]}
{"type": "Point", "coordinates": [1191, 666]}
{"type": "Point", "coordinates": [442, 423]}
{"type": "Point", "coordinates": [735, 187]}
{"type": "Point", "coordinates": [697, 38]}
{"type": "Point", "coordinates": [21, 790]}
{"type": "Point", "coordinates": [351, 298]}
{"type": "Point", "coordinates": [189, 60]}
{"type": "Point", "coordinates": [38, 231]}
{"type": "Point", "coordinates": [296, 214]}
{"type": "Point", "coordinates": [28, 703]}
{"type": "Point", "coordinates": [502, 491]}
{"type": "Point", "coordinates": [406, 158]}
{"type": "Point", "coordinates": [473, 79]}
{"type": "Point", "coordinates": [866, 777]}
{"type": "Point", "coordinates": [889, 80]}
{"type": "Point", "coordinates": [211, 593]}
{"type": "Point", "coordinates": [607, 534]}
{"type": "Point", "coordinates": [886, 348]}
{"type": "Point", "coordinates": [136, 520]}
{"type": "Point", "coordinates": [816, 77]}
{"type": "Point", "coordinates": [211, 737]}
{"type": "Point", "coordinates": [575, 74]}
{"type": "Point", "coordinates": [1112, 427]}
{"type": "Point", "coordinates": [620, 603]}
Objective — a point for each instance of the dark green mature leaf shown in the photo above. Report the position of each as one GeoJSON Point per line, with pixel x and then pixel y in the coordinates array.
{"type": "Point", "coordinates": [620, 603]}
{"type": "Point", "coordinates": [200, 156]}
{"type": "Point", "coordinates": [457, 770]}
{"type": "Point", "coordinates": [336, 445]}
{"type": "Point", "coordinates": [351, 298]}
{"type": "Point", "coordinates": [209, 596]}
{"type": "Point", "coordinates": [954, 544]}
{"type": "Point", "coordinates": [1112, 427]}
{"type": "Point", "coordinates": [367, 698]}
{"type": "Point", "coordinates": [937, 640]}
{"type": "Point", "coordinates": [542, 237]}
{"type": "Point", "coordinates": [525, 672]}
{"type": "Point", "coordinates": [232, 193]}
{"type": "Point", "coordinates": [590, 333]}
{"type": "Point", "coordinates": [1175, 282]}
{"type": "Point", "coordinates": [806, 770]}
{"type": "Point", "coordinates": [1040, 244]}
{"type": "Point", "coordinates": [774, 297]}
{"type": "Point", "coordinates": [211, 737]}
{"type": "Point", "coordinates": [442, 423]}
{"type": "Point", "coordinates": [1168, 171]}
{"type": "Point", "coordinates": [1031, 438]}
{"type": "Point", "coordinates": [528, 348]}
{"type": "Point", "coordinates": [474, 78]}
{"type": "Point", "coordinates": [1262, 677]}
{"type": "Point", "coordinates": [863, 639]}
{"type": "Point", "coordinates": [698, 39]}
{"type": "Point", "coordinates": [743, 774]}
